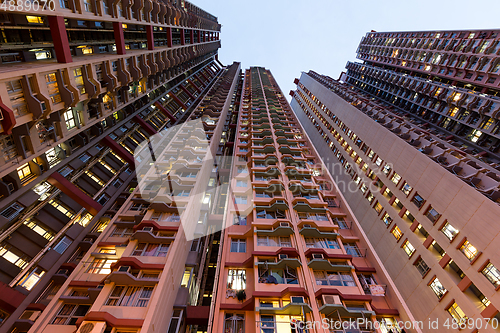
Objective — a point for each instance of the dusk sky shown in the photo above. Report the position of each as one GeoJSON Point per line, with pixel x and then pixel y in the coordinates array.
{"type": "Point", "coordinates": [292, 36]}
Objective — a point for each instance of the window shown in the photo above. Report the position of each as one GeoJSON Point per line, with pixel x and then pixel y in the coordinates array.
{"type": "Point", "coordinates": [63, 244]}
{"type": "Point", "coordinates": [267, 324]}
{"type": "Point", "coordinates": [149, 249]}
{"type": "Point", "coordinates": [409, 249]}
{"type": "Point", "coordinates": [396, 232]}
{"type": "Point", "coordinates": [469, 250]}
{"type": "Point", "coordinates": [457, 313]}
{"type": "Point", "coordinates": [353, 250]}
{"type": "Point", "coordinates": [313, 216]}
{"type": "Point", "coordinates": [13, 255]}
{"type": "Point", "coordinates": [449, 231]}
{"type": "Point", "coordinates": [52, 87]}
{"type": "Point", "coordinates": [492, 274]}
{"type": "Point", "coordinates": [77, 73]}
{"type": "Point", "coordinates": [422, 267]}
{"type": "Point", "coordinates": [328, 278]}
{"type": "Point", "coordinates": [240, 220]}
{"type": "Point", "coordinates": [406, 189]}
{"type": "Point", "coordinates": [269, 214]}
{"type": "Point", "coordinates": [69, 118]}
{"type": "Point", "coordinates": [395, 178]}
{"type": "Point", "coordinates": [70, 313]}
{"type": "Point", "coordinates": [274, 241]}
{"type": "Point", "coordinates": [122, 232]}
{"type": "Point", "coordinates": [437, 288]}
{"type": "Point", "coordinates": [418, 200]}
{"type": "Point", "coordinates": [342, 223]}
{"type": "Point", "coordinates": [322, 243]}
{"type": "Point", "coordinates": [41, 230]}
{"type": "Point", "coordinates": [24, 172]}
{"type": "Point", "coordinates": [130, 296]}
{"type": "Point", "coordinates": [239, 200]}
{"type": "Point", "coordinates": [241, 183]}
{"type": "Point", "coordinates": [31, 279]}
{"type": "Point", "coordinates": [378, 207]}
{"type": "Point", "coordinates": [238, 245]}
{"type": "Point", "coordinates": [234, 323]}
{"type": "Point", "coordinates": [100, 266]}
{"type": "Point", "coordinates": [237, 279]}
{"type": "Point", "coordinates": [432, 215]}
{"type": "Point", "coordinates": [387, 219]}
{"type": "Point", "coordinates": [34, 19]}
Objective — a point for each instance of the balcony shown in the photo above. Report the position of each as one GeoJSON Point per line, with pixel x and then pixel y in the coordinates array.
{"type": "Point", "coordinates": [310, 231]}
{"type": "Point", "coordinates": [122, 276]}
{"type": "Point", "coordinates": [148, 235]}
{"type": "Point", "coordinates": [284, 229]}
{"type": "Point", "coordinates": [291, 309]}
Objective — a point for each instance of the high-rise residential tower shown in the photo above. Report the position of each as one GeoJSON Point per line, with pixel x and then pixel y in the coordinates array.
{"type": "Point", "coordinates": [415, 131]}
{"type": "Point", "coordinates": [293, 253]}
{"type": "Point", "coordinates": [82, 84]}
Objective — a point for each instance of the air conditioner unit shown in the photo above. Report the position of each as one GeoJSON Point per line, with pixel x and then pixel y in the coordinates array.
{"type": "Point", "coordinates": [88, 239]}
{"type": "Point", "coordinates": [284, 224]}
{"type": "Point", "coordinates": [150, 229]}
{"type": "Point", "coordinates": [283, 256]}
{"type": "Point", "coordinates": [124, 269]}
{"type": "Point", "coordinates": [11, 187]}
{"type": "Point", "coordinates": [306, 226]}
{"type": "Point", "coordinates": [92, 327]}
{"type": "Point", "coordinates": [297, 299]}
{"type": "Point", "coordinates": [63, 272]}
{"type": "Point", "coordinates": [318, 256]}
{"type": "Point", "coordinates": [331, 299]}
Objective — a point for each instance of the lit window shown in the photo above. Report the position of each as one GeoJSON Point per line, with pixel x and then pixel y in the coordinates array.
{"type": "Point", "coordinates": [409, 249]}
{"type": "Point", "coordinates": [378, 207]}
{"type": "Point", "coordinates": [24, 171]}
{"type": "Point", "coordinates": [438, 288]}
{"type": "Point", "coordinates": [396, 178]}
{"type": "Point", "coordinates": [449, 231]}
{"type": "Point", "coordinates": [492, 274]}
{"type": "Point", "coordinates": [69, 118]}
{"type": "Point", "coordinates": [32, 278]}
{"type": "Point", "coordinates": [13, 256]}
{"type": "Point", "coordinates": [236, 279]}
{"type": "Point", "coordinates": [396, 232]}
{"type": "Point", "coordinates": [469, 250]}
{"type": "Point", "coordinates": [34, 19]}
{"type": "Point", "coordinates": [53, 88]}
{"type": "Point", "coordinates": [100, 266]}
{"type": "Point", "coordinates": [457, 313]}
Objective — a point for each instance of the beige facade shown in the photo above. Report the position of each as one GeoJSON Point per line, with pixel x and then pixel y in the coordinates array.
{"type": "Point", "coordinates": [411, 207]}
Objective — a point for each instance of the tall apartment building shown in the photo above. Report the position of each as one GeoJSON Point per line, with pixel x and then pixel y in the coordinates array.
{"type": "Point", "coordinates": [82, 84]}
{"type": "Point", "coordinates": [413, 135]}
{"type": "Point", "coordinates": [292, 251]}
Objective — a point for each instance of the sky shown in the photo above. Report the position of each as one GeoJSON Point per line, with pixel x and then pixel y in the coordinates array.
{"type": "Point", "coordinates": [290, 36]}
